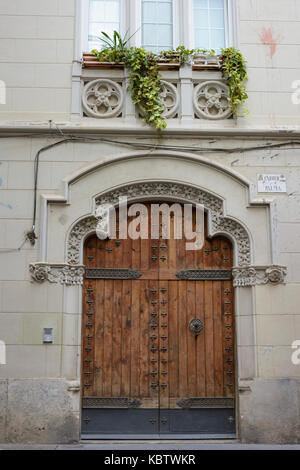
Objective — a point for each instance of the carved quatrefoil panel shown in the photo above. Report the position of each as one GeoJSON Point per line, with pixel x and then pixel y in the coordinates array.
{"type": "Point", "coordinates": [211, 100]}
{"type": "Point", "coordinates": [170, 99]}
{"type": "Point", "coordinates": [102, 99]}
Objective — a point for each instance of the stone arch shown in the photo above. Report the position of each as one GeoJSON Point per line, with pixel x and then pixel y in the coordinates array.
{"type": "Point", "coordinates": [219, 224]}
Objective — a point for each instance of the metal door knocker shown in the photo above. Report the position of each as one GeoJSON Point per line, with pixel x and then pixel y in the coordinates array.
{"type": "Point", "coordinates": [196, 326]}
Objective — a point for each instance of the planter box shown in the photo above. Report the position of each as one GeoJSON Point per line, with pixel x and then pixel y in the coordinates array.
{"type": "Point", "coordinates": [171, 63]}
{"type": "Point", "coordinates": [91, 61]}
{"type": "Point", "coordinates": [168, 65]}
{"type": "Point", "coordinates": [199, 62]}
{"type": "Point", "coordinates": [203, 61]}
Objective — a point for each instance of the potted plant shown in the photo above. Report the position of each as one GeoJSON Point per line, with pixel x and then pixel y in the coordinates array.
{"type": "Point", "coordinates": [146, 81]}
{"type": "Point", "coordinates": [112, 53]}
{"type": "Point", "coordinates": [168, 60]}
{"type": "Point", "coordinates": [203, 59]}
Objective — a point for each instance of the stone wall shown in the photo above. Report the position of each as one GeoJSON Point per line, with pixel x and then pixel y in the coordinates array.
{"type": "Point", "coordinates": [268, 316]}
{"type": "Point", "coordinates": [39, 401]}
{"type": "Point", "coordinates": [37, 49]}
{"type": "Point", "coordinates": [38, 411]}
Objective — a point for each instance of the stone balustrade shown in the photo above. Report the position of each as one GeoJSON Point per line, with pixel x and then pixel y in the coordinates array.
{"type": "Point", "coordinates": [190, 93]}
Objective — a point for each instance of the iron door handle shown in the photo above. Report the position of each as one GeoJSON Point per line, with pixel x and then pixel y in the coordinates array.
{"type": "Point", "coordinates": [196, 326]}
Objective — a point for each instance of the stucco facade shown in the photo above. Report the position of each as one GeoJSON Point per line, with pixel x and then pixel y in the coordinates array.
{"type": "Point", "coordinates": [40, 385]}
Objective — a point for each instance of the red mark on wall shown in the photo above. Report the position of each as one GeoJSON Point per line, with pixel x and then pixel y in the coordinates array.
{"type": "Point", "coordinates": [267, 37]}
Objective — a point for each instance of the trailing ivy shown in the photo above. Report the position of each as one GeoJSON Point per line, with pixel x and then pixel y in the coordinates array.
{"type": "Point", "coordinates": [145, 79]}
{"type": "Point", "coordinates": [145, 84]}
{"type": "Point", "coordinates": [235, 72]}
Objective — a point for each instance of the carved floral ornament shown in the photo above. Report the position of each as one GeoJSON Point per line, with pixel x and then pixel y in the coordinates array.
{"type": "Point", "coordinates": [211, 100]}
{"type": "Point", "coordinates": [258, 275]}
{"type": "Point", "coordinates": [102, 98]}
{"type": "Point", "coordinates": [57, 273]}
{"type": "Point", "coordinates": [169, 98]}
{"type": "Point", "coordinates": [72, 272]}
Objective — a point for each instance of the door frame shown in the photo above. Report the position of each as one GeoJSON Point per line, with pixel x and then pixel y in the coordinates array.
{"type": "Point", "coordinates": [70, 211]}
{"type": "Point", "coordinates": [158, 435]}
{"type": "Point", "coordinates": [232, 230]}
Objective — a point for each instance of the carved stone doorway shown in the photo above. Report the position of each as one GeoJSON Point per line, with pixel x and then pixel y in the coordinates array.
{"type": "Point", "coordinates": [158, 338]}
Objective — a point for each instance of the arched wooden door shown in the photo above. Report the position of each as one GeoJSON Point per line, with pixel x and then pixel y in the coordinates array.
{"type": "Point", "coordinates": [158, 339]}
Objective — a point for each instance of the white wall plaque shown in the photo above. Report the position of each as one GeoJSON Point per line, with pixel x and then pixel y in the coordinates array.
{"type": "Point", "coordinates": [271, 183]}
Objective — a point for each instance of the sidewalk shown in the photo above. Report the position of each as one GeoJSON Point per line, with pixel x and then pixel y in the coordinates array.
{"type": "Point", "coordinates": [153, 445]}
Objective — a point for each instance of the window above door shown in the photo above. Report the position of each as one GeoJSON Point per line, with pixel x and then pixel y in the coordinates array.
{"type": "Point", "coordinates": [160, 24]}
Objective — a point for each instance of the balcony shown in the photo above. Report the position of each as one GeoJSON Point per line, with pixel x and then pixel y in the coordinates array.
{"type": "Point", "coordinates": [193, 95]}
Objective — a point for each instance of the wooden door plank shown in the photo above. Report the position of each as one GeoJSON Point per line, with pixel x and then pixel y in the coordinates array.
{"type": "Point", "coordinates": [146, 250]}
{"type": "Point", "coordinates": [172, 244]}
{"type": "Point", "coordinates": [135, 323]}
{"type": "Point", "coordinates": [209, 339]}
{"type": "Point", "coordinates": [107, 369]}
{"type": "Point", "coordinates": [182, 339]}
{"type": "Point", "coordinates": [144, 341]}
{"type": "Point", "coordinates": [135, 255]}
{"type": "Point", "coordinates": [200, 348]}
{"type": "Point", "coordinates": [228, 332]}
{"type": "Point", "coordinates": [164, 318]}
{"type": "Point", "coordinates": [127, 337]}
{"type": "Point", "coordinates": [116, 338]}
{"type": "Point", "coordinates": [154, 346]}
{"type": "Point", "coordinates": [172, 325]}
{"type": "Point", "coordinates": [99, 337]}
{"type": "Point", "coordinates": [218, 338]}
{"type": "Point", "coordinates": [190, 257]}
{"type": "Point", "coordinates": [88, 327]}
{"type": "Point", "coordinates": [88, 342]}
{"type": "Point", "coordinates": [192, 340]}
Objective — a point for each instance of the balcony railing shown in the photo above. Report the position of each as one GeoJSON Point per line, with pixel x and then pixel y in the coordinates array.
{"type": "Point", "coordinates": [192, 92]}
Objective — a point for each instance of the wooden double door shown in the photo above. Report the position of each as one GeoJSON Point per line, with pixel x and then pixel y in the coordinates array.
{"type": "Point", "coordinates": [158, 338]}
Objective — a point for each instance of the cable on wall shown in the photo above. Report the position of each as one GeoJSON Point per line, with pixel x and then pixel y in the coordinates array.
{"type": "Point", "coordinates": [31, 235]}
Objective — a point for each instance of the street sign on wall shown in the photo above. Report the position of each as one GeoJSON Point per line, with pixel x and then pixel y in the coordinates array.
{"type": "Point", "coordinates": [271, 183]}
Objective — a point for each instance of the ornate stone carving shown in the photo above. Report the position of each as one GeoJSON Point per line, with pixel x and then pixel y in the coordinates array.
{"type": "Point", "coordinates": [204, 275]}
{"type": "Point", "coordinates": [219, 223]}
{"type": "Point", "coordinates": [110, 402]}
{"type": "Point", "coordinates": [258, 275]}
{"type": "Point", "coordinates": [206, 403]}
{"type": "Point", "coordinates": [102, 98]}
{"type": "Point", "coordinates": [211, 100]}
{"type": "Point", "coordinates": [276, 274]}
{"type": "Point", "coordinates": [162, 189]}
{"type": "Point", "coordinates": [169, 98]}
{"type": "Point", "coordinates": [79, 231]}
{"type": "Point", "coordinates": [110, 273]}
{"type": "Point", "coordinates": [57, 273]}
